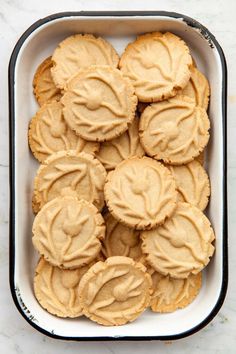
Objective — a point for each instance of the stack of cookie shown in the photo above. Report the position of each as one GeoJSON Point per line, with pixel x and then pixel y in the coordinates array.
{"type": "Point", "coordinates": [118, 231]}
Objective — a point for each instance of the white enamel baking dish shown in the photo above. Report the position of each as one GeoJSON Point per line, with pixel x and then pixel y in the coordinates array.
{"type": "Point", "coordinates": [119, 28]}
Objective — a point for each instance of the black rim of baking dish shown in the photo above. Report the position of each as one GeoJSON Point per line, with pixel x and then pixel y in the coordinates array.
{"type": "Point", "coordinates": [11, 80]}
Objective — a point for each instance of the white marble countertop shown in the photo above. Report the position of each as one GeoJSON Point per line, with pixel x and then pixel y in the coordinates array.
{"type": "Point", "coordinates": [16, 335]}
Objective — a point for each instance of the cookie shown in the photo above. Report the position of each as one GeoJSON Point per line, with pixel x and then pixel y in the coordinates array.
{"type": "Point", "coordinates": [175, 130]}
{"type": "Point", "coordinates": [140, 193]}
{"type": "Point", "coordinates": [112, 152]}
{"type": "Point", "coordinates": [183, 245]}
{"type": "Point", "coordinates": [57, 289]}
{"type": "Point", "coordinates": [197, 88]}
{"type": "Point", "coordinates": [192, 184]}
{"type": "Point", "coordinates": [67, 232]}
{"type": "Point", "coordinates": [69, 173]}
{"type": "Point", "coordinates": [44, 88]}
{"type": "Point", "coordinates": [170, 294]}
{"type": "Point", "coordinates": [99, 103]}
{"type": "Point", "coordinates": [49, 133]}
{"type": "Point", "coordinates": [158, 64]}
{"type": "Point", "coordinates": [115, 292]}
{"type": "Point", "coordinates": [80, 51]}
{"type": "Point", "coordinates": [121, 240]}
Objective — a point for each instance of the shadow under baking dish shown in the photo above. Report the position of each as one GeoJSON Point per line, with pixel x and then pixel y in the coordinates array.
{"type": "Point", "coordinates": [119, 28]}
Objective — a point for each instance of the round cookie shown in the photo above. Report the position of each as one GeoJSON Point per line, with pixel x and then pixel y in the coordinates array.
{"type": "Point", "coordinates": [170, 294]}
{"type": "Point", "coordinates": [175, 130]}
{"type": "Point", "coordinates": [57, 289]}
{"type": "Point", "coordinates": [140, 193]}
{"type": "Point", "coordinates": [77, 52]}
{"type": "Point", "coordinates": [158, 65]}
{"type": "Point", "coordinates": [67, 232]}
{"type": "Point", "coordinates": [99, 103]}
{"type": "Point", "coordinates": [192, 184]}
{"type": "Point", "coordinates": [121, 240]}
{"type": "Point", "coordinates": [49, 133]}
{"type": "Point", "coordinates": [115, 292]}
{"type": "Point", "coordinates": [69, 173]}
{"type": "Point", "coordinates": [197, 88]}
{"type": "Point", "coordinates": [183, 245]}
{"type": "Point", "coordinates": [43, 84]}
{"type": "Point", "coordinates": [127, 145]}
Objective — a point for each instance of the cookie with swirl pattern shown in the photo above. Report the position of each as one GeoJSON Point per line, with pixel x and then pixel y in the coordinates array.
{"type": "Point", "coordinates": [127, 145]}
{"type": "Point", "coordinates": [56, 289]}
{"type": "Point", "coordinates": [158, 64]}
{"type": "Point", "coordinates": [140, 193]}
{"type": "Point", "coordinates": [115, 292]}
{"type": "Point", "coordinates": [49, 133]}
{"type": "Point", "coordinates": [69, 173]}
{"type": "Point", "coordinates": [193, 184]}
{"type": "Point", "coordinates": [182, 245]}
{"type": "Point", "coordinates": [197, 88]}
{"type": "Point", "coordinates": [175, 131]}
{"type": "Point", "coordinates": [43, 85]}
{"type": "Point", "coordinates": [67, 232]}
{"type": "Point", "coordinates": [170, 294]}
{"type": "Point", "coordinates": [121, 240]}
{"type": "Point", "coordinates": [80, 51]}
{"type": "Point", "coordinates": [99, 103]}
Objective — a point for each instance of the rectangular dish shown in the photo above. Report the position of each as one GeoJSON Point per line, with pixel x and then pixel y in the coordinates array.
{"type": "Point", "coordinates": [119, 28]}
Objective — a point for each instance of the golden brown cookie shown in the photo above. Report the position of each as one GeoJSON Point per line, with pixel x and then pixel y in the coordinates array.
{"type": "Point", "coordinates": [49, 133]}
{"type": "Point", "coordinates": [43, 84]}
{"type": "Point", "coordinates": [197, 88]}
{"type": "Point", "coordinates": [192, 184]}
{"type": "Point", "coordinates": [127, 145]}
{"type": "Point", "coordinates": [77, 52]}
{"type": "Point", "coordinates": [115, 292]}
{"type": "Point", "coordinates": [69, 173]}
{"type": "Point", "coordinates": [121, 240]}
{"type": "Point", "coordinates": [57, 289]}
{"type": "Point", "coordinates": [182, 245]}
{"type": "Point", "coordinates": [99, 103]}
{"type": "Point", "coordinates": [158, 65]}
{"type": "Point", "coordinates": [67, 232]}
{"type": "Point", "coordinates": [140, 193]}
{"type": "Point", "coordinates": [170, 294]}
{"type": "Point", "coordinates": [175, 130]}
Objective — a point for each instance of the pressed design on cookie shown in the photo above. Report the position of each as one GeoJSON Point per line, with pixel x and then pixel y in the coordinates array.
{"type": "Point", "coordinates": [170, 294]}
{"type": "Point", "coordinates": [56, 289]}
{"type": "Point", "coordinates": [192, 184]}
{"type": "Point", "coordinates": [43, 84]}
{"type": "Point", "coordinates": [77, 52]}
{"type": "Point", "coordinates": [121, 240]}
{"type": "Point", "coordinates": [140, 193]}
{"type": "Point", "coordinates": [69, 173]}
{"type": "Point", "coordinates": [158, 64]}
{"type": "Point", "coordinates": [115, 292]}
{"type": "Point", "coordinates": [49, 133]}
{"type": "Point", "coordinates": [67, 232]}
{"type": "Point", "coordinates": [99, 103]}
{"type": "Point", "coordinates": [175, 130]}
{"type": "Point", "coordinates": [197, 88]}
{"type": "Point", "coordinates": [127, 145]}
{"type": "Point", "coordinates": [182, 245]}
